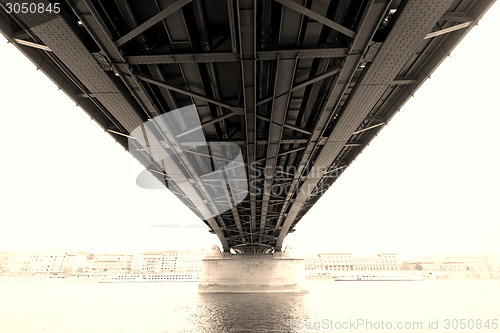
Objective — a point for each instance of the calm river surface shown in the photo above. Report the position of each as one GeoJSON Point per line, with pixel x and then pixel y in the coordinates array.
{"type": "Point", "coordinates": [425, 306]}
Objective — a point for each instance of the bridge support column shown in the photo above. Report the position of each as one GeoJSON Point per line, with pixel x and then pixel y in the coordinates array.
{"type": "Point", "coordinates": [252, 273]}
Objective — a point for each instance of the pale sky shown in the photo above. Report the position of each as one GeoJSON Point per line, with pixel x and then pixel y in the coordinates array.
{"type": "Point", "coordinates": [429, 183]}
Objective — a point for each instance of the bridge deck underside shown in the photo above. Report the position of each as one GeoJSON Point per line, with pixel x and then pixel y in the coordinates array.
{"type": "Point", "coordinates": [301, 87]}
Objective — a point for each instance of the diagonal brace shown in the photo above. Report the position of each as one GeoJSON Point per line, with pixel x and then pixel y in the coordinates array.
{"type": "Point", "coordinates": [303, 84]}
{"type": "Point", "coordinates": [168, 86]}
{"type": "Point", "coordinates": [317, 17]}
{"type": "Point", "coordinates": [152, 21]}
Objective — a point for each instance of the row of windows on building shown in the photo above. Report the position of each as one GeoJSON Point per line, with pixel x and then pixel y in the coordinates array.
{"type": "Point", "coordinates": [81, 263]}
{"type": "Point", "coordinates": [349, 262]}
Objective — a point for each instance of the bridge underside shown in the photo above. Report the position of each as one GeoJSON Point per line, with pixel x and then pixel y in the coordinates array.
{"type": "Point", "coordinates": [300, 87]}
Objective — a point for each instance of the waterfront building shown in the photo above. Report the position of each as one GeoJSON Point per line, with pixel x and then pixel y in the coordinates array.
{"type": "Point", "coordinates": [190, 261]}
{"type": "Point", "coordinates": [355, 267]}
{"type": "Point", "coordinates": [187, 265]}
{"type": "Point", "coordinates": [455, 263]}
{"type": "Point", "coordinates": [147, 262]}
{"type": "Point", "coordinates": [313, 263]}
{"type": "Point", "coordinates": [167, 261]}
{"type": "Point", "coordinates": [473, 266]}
{"type": "Point", "coordinates": [17, 262]}
{"type": "Point", "coordinates": [41, 262]}
{"type": "Point", "coordinates": [47, 262]}
{"type": "Point", "coordinates": [3, 261]}
{"type": "Point", "coordinates": [89, 264]}
{"type": "Point", "coordinates": [117, 263]}
{"type": "Point", "coordinates": [493, 263]}
{"type": "Point", "coordinates": [76, 263]}
{"type": "Point", "coordinates": [351, 262]}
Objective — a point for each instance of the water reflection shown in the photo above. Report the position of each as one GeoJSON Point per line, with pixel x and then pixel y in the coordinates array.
{"type": "Point", "coordinates": [174, 307]}
{"type": "Point", "coordinates": [248, 312]}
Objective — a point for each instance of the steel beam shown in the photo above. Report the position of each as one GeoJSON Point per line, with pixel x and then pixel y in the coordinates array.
{"type": "Point", "coordinates": [317, 78]}
{"type": "Point", "coordinates": [302, 54]}
{"type": "Point", "coordinates": [404, 80]}
{"type": "Point", "coordinates": [456, 17]}
{"type": "Point", "coordinates": [368, 128]}
{"type": "Point", "coordinates": [448, 30]}
{"type": "Point", "coordinates": [186, 92]}
{"type": "Point", "coordinates": [295, 128]}
{"type": "Point", "coordinates": [285, 75]}
{"type": "Point", "coordinates": [315, 16]}
{"type": "Point", "coordinates": [247, 17]}
{"type": "Point", "coordinates": [210, 122]}
{"type": "Point", "coordinates": [192, 58]}
{"type": "Point", "coordinates": [152, 21]}
{"type": "Point", "coordinates": [232, 25]}
{"type": "Point", "coordinates": [31, 44]}
{"type": "Point", "coordinates": [180, 58]}
{"type": "Point", "coordinates": [292, 150]}
{"type": "Point", "coordinates": [303, 84]}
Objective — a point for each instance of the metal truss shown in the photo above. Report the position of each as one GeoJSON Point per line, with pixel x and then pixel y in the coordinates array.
{"type": "Point", "coordinates": [300, 87]}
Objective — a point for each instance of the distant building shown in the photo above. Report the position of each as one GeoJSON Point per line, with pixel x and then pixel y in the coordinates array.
{"type": "Point", "coordinates": [455, 263]}
{"type": "Point", "coordinates": [147, 262]}
{"type": "Point", "coordinates": [18, 262]}
{"type": "Point", "coordinates": [190, 261]}
{"type": "Point", "coordinates": [166, 265]}
{"type": "Point", "coordinates": [76, 263]}
{"type": "Point", "coordinates": [351, 262]}
{"type": "Point", "coordinates": [43, 262]}
{"type": "Point", "coordinates": [3, 261]}
{"type": "Point", "coordinates": [116, 263]}
{"type": "Point", "coordinates": [313, 263]}
{"type": "Point", "coordinates": [167, 261]}
{"type": "Point", "coordinates": [47, 262]}
{"type": "Point", "coordinates": [493, 263]}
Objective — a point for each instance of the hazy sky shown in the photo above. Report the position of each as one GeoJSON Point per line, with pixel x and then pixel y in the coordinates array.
{"type": "Point", "coordinates": [429, 183]}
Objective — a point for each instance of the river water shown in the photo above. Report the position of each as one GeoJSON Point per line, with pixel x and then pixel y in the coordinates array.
{"type": "Point", "coordinates": [419, 306]}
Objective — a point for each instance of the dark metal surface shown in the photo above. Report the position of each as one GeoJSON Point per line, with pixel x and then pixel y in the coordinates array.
{"type": "Point", "coordinates": [300, 86]}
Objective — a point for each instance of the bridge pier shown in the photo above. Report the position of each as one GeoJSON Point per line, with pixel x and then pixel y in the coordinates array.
{"type": "Point", "coordinates": [252, 273]}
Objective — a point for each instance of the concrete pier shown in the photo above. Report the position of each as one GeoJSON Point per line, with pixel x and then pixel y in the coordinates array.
{"type": "Point", "coordinates": [252, 273]}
